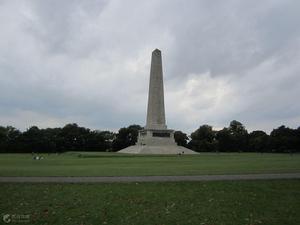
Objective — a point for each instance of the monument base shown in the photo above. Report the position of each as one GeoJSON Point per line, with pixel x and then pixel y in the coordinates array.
{"type": "Point", "coordinates": [153, 141]}
{"type": "Point", "coordinates": [156, 137]}
{"type": "Point", "coordinates": [143, 149]}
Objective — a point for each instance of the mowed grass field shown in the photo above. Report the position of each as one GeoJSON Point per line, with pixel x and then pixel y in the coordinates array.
{"type": "Point", "coordinates": [275, 202]}
{"type": "Point", "coordinates": [206, 203]}
{"type": "Point", "coordinates": [114, 164]}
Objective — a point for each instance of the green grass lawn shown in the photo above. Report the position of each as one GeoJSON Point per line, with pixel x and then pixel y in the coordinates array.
{"type": "Point", "coordinates": [113, 164]}
{"type": "Point", "coordinates": [203, 203]}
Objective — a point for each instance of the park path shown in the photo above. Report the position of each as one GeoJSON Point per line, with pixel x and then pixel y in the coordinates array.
{"type": "Point", "coordinates": [125, 179]}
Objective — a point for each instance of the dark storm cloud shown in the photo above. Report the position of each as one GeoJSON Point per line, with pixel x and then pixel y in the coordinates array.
{"type": "Point", "coordinates": [88, 62]}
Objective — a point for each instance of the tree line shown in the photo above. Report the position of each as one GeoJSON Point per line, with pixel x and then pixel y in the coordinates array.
{"type": "Point", "coordinates": [236, 138]}
{"type": "Point", "coordinates": [72, 137]}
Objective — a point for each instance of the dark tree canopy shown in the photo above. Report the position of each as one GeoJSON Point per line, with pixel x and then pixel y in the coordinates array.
{"type": "Point", "coordinates": [239, 136]}
{"type": "Point", "coordinates": [284, 139]}
{"type": "Point", "coordinates": [235, 138]}
{"type": "Point", "coordinates": [203, 139]}
{"type": "Point", "coordinates": [181, 138]}
{"type": "Point", "coordinates": [224, 139]}
{"type": "Point", "coordinates": [258, 141]}
{"type": "Point", "coordinates": [69, 138]}
{"type": "Point", "coordinates": [125, 137]}
{"type": "Point", "coordinates": [72, 137]}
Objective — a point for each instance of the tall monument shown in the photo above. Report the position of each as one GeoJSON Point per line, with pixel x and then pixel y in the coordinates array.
{"type": "Point", "coordinates": [156, 106]}
{"type": "Point", "coordinates": [155, 138]}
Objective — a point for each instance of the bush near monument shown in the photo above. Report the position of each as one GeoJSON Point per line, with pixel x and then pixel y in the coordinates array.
{"type": "Point", "coordinates": [72, 137]}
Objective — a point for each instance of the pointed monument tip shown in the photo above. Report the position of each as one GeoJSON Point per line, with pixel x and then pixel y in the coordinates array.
{"type": "Point", "coordinates": [157, 50]}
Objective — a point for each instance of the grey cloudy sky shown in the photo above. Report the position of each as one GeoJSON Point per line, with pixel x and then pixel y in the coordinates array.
{"type": "Point", "coordinates": [88, 62]}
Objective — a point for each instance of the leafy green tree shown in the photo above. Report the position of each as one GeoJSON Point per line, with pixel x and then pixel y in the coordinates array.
{"type": "Point", "coordinates": [99, 141]}
{"type": "Point", "coordinates": [258, 141]}
{"type": "Point", "coordinates": [52, 140]}
{"type": "Point", "coordinates": [203, 139]}
{"type": "Point", "coordinates": [284, 139]}
{"type": "Point", "coordinates": [181, 138]}
{"type": "Point", "coordinates": [9, 139]}
{"type": "Point", "coordinates": [75, 137]}
{"type": "Point", "coordinates": [298, 139]}
{"type": "Point", "coordinates": [3, 138]}
{"type": "Point", "coordinates": [125, 137]}
{"type": "Point", "coordinates": [224, 140]}
{"type": "Point", "coordinates": [239, 136]}
{"type": "Point", "coordinates": [233, 139]}
{"type": "Point", "coordinates": [32, 140]}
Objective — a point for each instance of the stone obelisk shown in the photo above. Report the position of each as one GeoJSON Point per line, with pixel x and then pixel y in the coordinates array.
{"type": "Point", "coordinates": [156, 107]}
{"type": "Point", "coordinates": [155, 138]}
